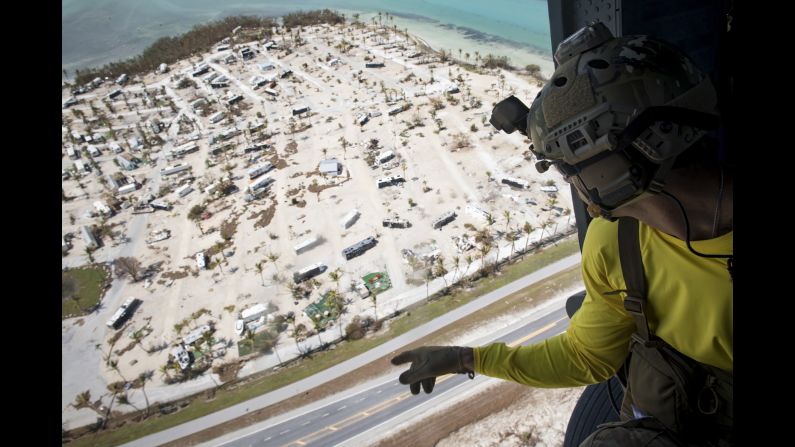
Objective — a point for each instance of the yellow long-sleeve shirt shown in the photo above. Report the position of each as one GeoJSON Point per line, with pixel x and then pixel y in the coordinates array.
{"type": "Point", "coordinates": [689, 302]}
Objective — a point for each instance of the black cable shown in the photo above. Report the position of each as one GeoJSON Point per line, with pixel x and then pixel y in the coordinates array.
{"type": "Point", "coordinates": [730, 257]}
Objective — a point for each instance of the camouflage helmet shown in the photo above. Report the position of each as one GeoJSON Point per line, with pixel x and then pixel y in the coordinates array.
{"type": "Point", "coordinates": [616, 113]}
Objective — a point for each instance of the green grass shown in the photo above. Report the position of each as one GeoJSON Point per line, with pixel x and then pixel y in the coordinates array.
{"type": "Point", "coordinates": [260, 341]}
{"type": "Point", "coordinates": [321, 361]}
{"type": "Point", "coordinates": [85, 283]}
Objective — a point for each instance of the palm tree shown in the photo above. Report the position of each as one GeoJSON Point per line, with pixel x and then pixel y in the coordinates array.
{"type": "Point", "coordinates": [89, 255]}
{"type": "Point", "coordinates": [507, 215]}
{"type": "Point", "coordinates": [125, 401]}
{"type": "Point", "coordinates": [527, 229]}
{"type": "Point", "coordinates": [273, 257]}
{"type": "Point", "coordinates": [456, 261]}
{"type": "Point", "coordinates": [374, 299]}
{"type": "Point", "coordinates": [114, 365]}
{"type": "Point", "coordinates": [512, 238]}
{"type": "Point", "coordinates": [544, 225]}
{"type": "Point", "coordinates": [106, 356]}
{"type": "Point", "coordinates": [484, 250]}
{"type": "Point", "coordinates": [339, 307]}
{"type": "Point", "coordinates": [316, 322]}
{"type": "Point", "coordinates": [468, 260]}
{"type": "Point", "coordinates": [259, 270]}
{"type": "Point", "coordinates": [440, 269]}
{"type": "Point", "coordinates": [344, 143]}
{"type": "Point", "coordinates": [275, 342]}
{"type": "Point", "coordinates": [164, 370]}
{"type": "Point", "coordinates": [490, 220]}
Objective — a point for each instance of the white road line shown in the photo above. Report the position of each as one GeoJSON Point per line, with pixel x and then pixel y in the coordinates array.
{"type": "Point", "coordinates": [359, 400]}
{"type": "Point", "coordinates": [286, 431]}
{"type": "Point", "coordinates": [324, 415]}
{"type": "Point", "coordinates": [306, 423]}
{"type": "Point", "coordinates": [342, 408]}
{"type": "Point", "coordinates": [267, 439]}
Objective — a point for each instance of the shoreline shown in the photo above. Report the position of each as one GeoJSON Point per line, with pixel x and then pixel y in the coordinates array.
{"type": "Point", "coordinates": [501, 46]}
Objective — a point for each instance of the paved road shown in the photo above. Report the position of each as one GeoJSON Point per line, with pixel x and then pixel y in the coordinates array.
{"type": "Point", "coordinates": [391, 346]}
{"type": "Point", "coordinates": [362, 412]}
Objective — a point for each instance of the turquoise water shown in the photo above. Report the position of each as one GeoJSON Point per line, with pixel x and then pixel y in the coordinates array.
{"type": "Point", "coordinates": [98, 31]}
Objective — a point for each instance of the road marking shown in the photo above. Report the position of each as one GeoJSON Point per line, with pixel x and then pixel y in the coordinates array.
{"type": "Point", "coordinates": [325, 414]}
{"type": "Point", "coordinates": [286, 431]}
{"type": "Point", "coordinates": [342, 408]}
{"type": "Point", "coordinates": [267, 439]}
{"type": "Point", "coordinates": [306, 423]}
{"type": "Point", "coordinates": [332, 428]}
{"type": "Point", "coordinates": [378, 392]}
{"type": "Point", "coordinates": [533, 334]}
{"type": "Point", "coordinates": [363, 398]}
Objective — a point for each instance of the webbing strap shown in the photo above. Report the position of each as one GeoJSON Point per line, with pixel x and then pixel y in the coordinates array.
{"type": "Point", "coordinates": [632, 269]}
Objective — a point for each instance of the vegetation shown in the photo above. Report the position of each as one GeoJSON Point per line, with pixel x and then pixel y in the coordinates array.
{"type": "Point", "coordinates": [492, 61]}
{"type": "Point", "coordinates": [301, 18]}
{"type": "Point", "coordinates": [173, 49]}
{"type": "Point", "coordinates": [81, 290]}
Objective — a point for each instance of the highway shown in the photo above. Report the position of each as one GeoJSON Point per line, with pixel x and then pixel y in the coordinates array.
{"type": "Point", "coordinates": [340, 420]}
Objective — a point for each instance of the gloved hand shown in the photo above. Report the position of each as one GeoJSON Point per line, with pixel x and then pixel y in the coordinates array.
{"type": "Point", "coordinates": [429, 362]}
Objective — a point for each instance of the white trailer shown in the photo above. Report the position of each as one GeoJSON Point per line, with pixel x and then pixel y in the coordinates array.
{"type": "Point", "coordinates": [201, 261]}
{"type": "Point", "coordinates": [362, 119]}
{"type": "Point", "coordinates": [122, 79]}
{"type": "Point", "coordinates": [184, 190]}
{"type": "Point", "coordinates": [551, 188]}
{"type": "Point", "coordinates": [173, 169]}
{"type": "Point", "coordinates": [184, 149]}
{"type": "Point", "coordinates": [196, 334]}
{"type": "Point", "coordinates": [271, 92]}
{"type": "Point", "coordinates": [260, 169]}
{"type": "Point", "coordinates": [115, 147]}
{"type": "Point", "coordinates": [309, 271]}
{"type": "Point", "coordinates": [254, 312]}
{"type": "Point", "coordinates": [306, 244]}
{"type": "Point", "coordinates": [70, 151]}
{"type": "Point", "coordinates": [384, 157]}
{"type": "Point", "coordinates": [217, 117]}
{"type": "Point", "coordinates": [128, 188]}
{"type": "Point", "coordinates": [121, 314]}
{"type": "Point", "coordinates": [349, 219]}
{"type": "Point", "coordinates": [260, 183]}
{"type": "Point", "coordinates": [395, 110]}
{"type": "Point", "coordinates": [94, 151]}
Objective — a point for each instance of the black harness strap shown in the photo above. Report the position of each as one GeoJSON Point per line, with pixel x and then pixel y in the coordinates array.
{"type": "Point", "coordinates": [632, 269]}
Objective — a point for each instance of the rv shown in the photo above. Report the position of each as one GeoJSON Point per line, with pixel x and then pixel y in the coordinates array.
{"type": "Point", "coordinates": [256, 147]}
{"type": "Point", "coordinates": [444, 220]}
{"type": "Point", "coordinates": [88, 237]}
{"type": "Point", "coordinates": [69, 102]}
{"type": "Point", "coordinates": [196, 334]}
{"type": "Point", "coordinates": [453, 89]}
{"type": "Point", "coordinates": [374, 114]}
{"type": "Point", "coordinates": [515, 182]}
{"type": "Point", "coordinates": [233, 98]}
{"type": "Point", "coordinates": [362, 119]}
{"type": "Point", "coordinates": [396, 222]}
{"type": "Point", "coordinates": [162, 68]}
{"type": "Point", "coordinates": [260, 169]}
{"type": "Point", "coordinates": [306, 245]}
{"type": "Point", "coordinates": [200, 70]}
{"type": "Point", "coordinates": [261, 183]}
{"type": "Point", "coordinates": [201, 260]}
{"type": "Point", "coordinates": [349, 219]}
{"type": "Point", "coordinates": [94, 151]}
{"type": "Point", "coordinates": [308, 272]}
{"type": "Point", "coordinates": [257, 81]}
{"type": "Point", "coordinates": [374, 65]}
{"type": "Point", "coordinates": [389, 181]}
{"type": "Point", "coordinates": [122, 313]}
{"type": "Point", "coordinates": [272, 93]}
{"type": "Point", "coordinates": [184, 149]}
{"type": "Point", "coordinates": [217, 117]}
{"type": "Point", "coordinates": [246, 53]}
{"type": "Point", "coordinates": [300, 109]}
{"type": "Point", "coordinates": [173, 169]}
{"type": "Point", "coordinates": [72, 153]}
{"type": "Point", "coordinates": [160, 205]}
{"type": "Point", "coordinates": [128, 188]}
{"type": "Point", "coordinates": [359, 247]}
{"type": "Point", "coordinates": [81, 167]}
{"type": "Point", "coordinates": [115, 147]}
{"type": "Point", "coordinates": [121, 80]}
{"type": "Point", "coordinates": [114, 93]}
{"type": "Point", "coordinates": [395, 110]}
{"type": "Point", "coordinates": [183, 191]}
{"type": "Point", "coordinates": [551, 188]}
{"type": "Point", "coordinates": [385, 156]}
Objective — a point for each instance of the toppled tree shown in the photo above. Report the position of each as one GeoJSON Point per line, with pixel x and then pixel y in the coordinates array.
{"type": "Point", "coordinates": [128, 266]}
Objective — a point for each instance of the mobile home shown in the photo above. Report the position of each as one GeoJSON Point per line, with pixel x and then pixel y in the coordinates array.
{"type": "Point", "coordinates": [444, 220]}
{"type": "Point", "coordinates": [306, 244]}
{"type": "Point", "coordinates": [260, 183]}
{"type": "Point", "coordinates": [308, 272]}
{"type": "Point", "coordinates": [122, 313]}
{"type": "Point", "coordinates": [184, 190]}
{"type": "Point", "coordinates": [359, 247]}
{"type": "Point", "coordinates": [349, 219]}
{"type": "Point", "coordinates": [260, 169]}
{"type": "Point", "coordinates": [217, 117]}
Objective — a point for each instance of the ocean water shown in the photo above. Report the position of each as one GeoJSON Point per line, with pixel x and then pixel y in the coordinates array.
{"type": "Point", "coordinates": [99, 31]}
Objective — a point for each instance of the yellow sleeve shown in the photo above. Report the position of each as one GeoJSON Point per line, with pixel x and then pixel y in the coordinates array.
{"type": "Point", "coordinates": [597, 340]}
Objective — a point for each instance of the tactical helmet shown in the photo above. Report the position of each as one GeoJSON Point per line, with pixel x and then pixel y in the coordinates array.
{"type": "Point", "coordinates": [616, 114]}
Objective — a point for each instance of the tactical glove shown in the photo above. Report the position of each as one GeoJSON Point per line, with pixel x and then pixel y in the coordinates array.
{"type": "Point", "coordinates": [429, 362]}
